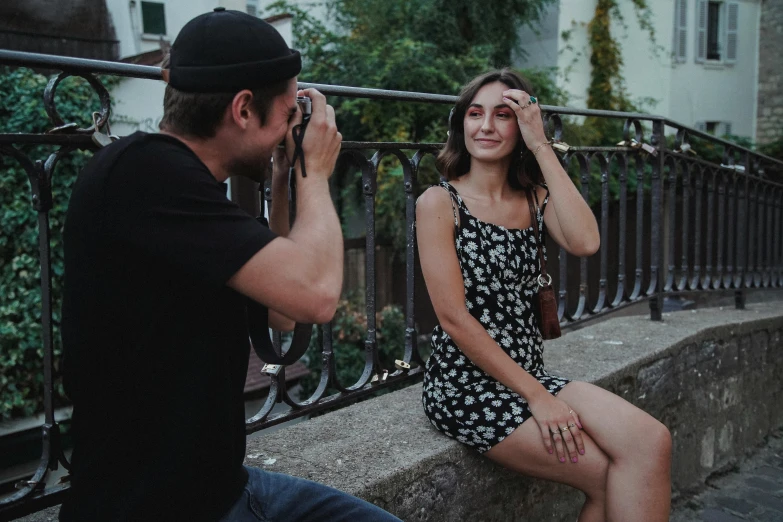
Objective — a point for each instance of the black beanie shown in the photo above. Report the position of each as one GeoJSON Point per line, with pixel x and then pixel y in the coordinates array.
{"type": "Point", "coordinates": [227, 51]}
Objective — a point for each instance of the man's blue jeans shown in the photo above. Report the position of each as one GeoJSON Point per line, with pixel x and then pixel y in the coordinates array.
{"type": "Point", "coordinates": [274, 497]}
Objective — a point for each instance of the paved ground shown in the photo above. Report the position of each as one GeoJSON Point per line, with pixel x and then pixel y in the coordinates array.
{"type": "Point", "coordinates": [753, 491]}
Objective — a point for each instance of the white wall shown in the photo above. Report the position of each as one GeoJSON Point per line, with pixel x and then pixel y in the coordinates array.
{"type": "Point", "coordinates": [719, 92]}
{"type": "Point", "coordinates": [687, 92]}
{"type": "Point", "coordinates": [540, 43]}
{"type": "Point", "coordinates": [646, 75]}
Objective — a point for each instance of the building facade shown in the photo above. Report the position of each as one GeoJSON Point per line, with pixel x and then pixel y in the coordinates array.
{"type": "Point", "coordinates": [769, 125]}
{"type": "Point", "coordinates": [701, 71]}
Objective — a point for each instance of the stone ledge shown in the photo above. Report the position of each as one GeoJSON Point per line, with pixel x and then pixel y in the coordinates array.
{"type": "Point", "coordinates": [711, 375]}
{"type": "Point", "coordinates": [385, 450]}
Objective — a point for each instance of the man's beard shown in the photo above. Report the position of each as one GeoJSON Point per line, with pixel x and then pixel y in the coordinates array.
{"type": "Point", "coordinates": [255, 168]}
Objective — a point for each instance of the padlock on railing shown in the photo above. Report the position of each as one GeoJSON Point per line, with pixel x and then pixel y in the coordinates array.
{"type": "Point", "coordinates": [560, 146]}
{"type": "Point", "coordinates": [99, 138]}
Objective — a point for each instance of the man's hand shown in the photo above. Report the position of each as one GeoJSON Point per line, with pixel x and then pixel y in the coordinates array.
{"type": "Point", "coordinates": [321, 144]}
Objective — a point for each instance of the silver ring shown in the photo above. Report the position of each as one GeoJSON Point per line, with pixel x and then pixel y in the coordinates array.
{"type": "Point", "coordinates": [545, 282]}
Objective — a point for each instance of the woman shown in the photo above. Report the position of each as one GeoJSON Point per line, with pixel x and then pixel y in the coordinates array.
{"type": "Point", "coordinates": [485, 384]}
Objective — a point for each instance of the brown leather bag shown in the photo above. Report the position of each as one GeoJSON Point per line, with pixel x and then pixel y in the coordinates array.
{"type": "Point", "coordinates": [545, 305]}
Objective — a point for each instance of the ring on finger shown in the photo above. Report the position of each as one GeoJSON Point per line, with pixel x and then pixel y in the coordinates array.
{"type": "Point", "coordinates": [572, 425]}
{"type": "Point", "coordinates": [564, 429]}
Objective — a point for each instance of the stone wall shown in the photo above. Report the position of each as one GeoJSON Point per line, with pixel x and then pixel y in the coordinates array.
{"type": "Point", "coordinates": [713, 376]}
{"type": "Point", "coordinates": [769, 126]}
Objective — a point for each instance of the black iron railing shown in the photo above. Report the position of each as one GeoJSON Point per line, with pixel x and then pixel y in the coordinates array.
{"type": "Point", "coordinates": [697, 226]}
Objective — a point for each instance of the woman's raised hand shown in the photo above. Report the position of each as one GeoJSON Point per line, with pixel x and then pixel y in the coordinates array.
{"type": "Point", "coordinates": [528, 116]}
{"type": "Point", "coordinates": [560, 427]}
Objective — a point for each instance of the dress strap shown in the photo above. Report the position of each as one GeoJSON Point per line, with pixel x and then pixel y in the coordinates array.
{"type": "Point", "coordinates": [540, 207]}
{"type": "Point", "coordinates": [455, 200]}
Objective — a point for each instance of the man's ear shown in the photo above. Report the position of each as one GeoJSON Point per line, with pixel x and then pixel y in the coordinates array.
{"type": "Point", "coordinates": [241, 108]}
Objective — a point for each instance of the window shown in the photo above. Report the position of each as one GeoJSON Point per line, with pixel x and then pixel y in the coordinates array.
{"type": "Point", "coordinates": [716, 128]}
{"type": "Point", "coordinates": [153, 19]}
{"type": "Point", "coordinates": [717, 31]}
{"type": "Point", "coordinates": [252, 7]}
{"type": "Point", "coordinates": [713, 30]}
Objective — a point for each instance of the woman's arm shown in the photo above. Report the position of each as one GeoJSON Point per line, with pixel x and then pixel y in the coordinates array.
{"type": "Point", "coordinates": [446, 287]}
{"type": "Point", "coordinates": [568, 218]}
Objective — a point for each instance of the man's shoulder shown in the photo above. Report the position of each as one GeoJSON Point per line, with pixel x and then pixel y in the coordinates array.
{"type": "Point", "coordinates": [148, 149]}
{"type": "Point", "coordinates": [141, 160]}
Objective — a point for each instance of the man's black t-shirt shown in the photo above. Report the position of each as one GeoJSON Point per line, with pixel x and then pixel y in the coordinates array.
{"type": "Point", "coordinates": [155, 343]}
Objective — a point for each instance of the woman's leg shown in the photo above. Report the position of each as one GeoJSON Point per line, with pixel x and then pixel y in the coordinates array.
{"type": "Point", "coordinates": [638, 485]}
{"type": "Point", "coordinates": [523, 451]}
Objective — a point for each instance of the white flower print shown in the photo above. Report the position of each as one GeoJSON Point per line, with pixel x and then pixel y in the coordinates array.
{"type": "Point", "coordinates": [499, 274]}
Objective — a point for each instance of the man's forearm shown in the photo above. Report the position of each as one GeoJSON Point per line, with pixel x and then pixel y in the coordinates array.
{"type": "Point", "coordinates": [278, 211]}
{"type": "Point", "coordinates": [317, 229]}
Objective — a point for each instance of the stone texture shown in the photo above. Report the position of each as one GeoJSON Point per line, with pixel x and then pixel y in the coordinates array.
{"type": "Point", "coordinates": [769, 124]}
{"type": "Point", "coordinates": [754, 491]}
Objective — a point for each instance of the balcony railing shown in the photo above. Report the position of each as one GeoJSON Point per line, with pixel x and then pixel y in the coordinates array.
{"type": "Point", "coordinates": [694, 226]}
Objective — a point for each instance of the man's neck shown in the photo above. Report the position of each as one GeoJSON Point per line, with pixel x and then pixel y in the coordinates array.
{"type": "Point", "coordinates": [208, 151]}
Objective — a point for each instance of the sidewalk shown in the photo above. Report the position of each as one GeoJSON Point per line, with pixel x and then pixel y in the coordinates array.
{"type": "Point", "coordinates": [754, 491]}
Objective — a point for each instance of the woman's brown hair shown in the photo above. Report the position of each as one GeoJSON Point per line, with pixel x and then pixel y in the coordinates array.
{"type": "Point", "coordinates": [454, 159]}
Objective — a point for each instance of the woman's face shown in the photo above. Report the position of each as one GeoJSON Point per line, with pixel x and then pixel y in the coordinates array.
{"type": "Point", "coordinates": [491, 130]}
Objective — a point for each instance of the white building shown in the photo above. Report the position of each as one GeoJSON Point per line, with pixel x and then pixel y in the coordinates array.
{"type": "Point", "coordinates": [144, 30]}
{"type": "Point", "coordinates": [705, 73]}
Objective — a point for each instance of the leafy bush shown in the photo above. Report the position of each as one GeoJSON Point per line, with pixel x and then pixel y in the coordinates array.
{"type": "Point", "coordinates": [349, 331]}
{"type": "Point", "coordinates": [21, 344]}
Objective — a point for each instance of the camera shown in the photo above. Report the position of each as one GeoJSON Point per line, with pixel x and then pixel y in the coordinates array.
{"type": "Point", "coordinates": [305, 104]}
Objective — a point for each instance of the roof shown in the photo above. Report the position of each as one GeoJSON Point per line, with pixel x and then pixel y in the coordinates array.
{"type": "Point", "coordinates": [80, 28]}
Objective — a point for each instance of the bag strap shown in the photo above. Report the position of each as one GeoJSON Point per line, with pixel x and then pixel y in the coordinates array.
{"type": "Point", "coordinates": [258, 331]}
{"type": "Point", "coordinates": [539, 242]}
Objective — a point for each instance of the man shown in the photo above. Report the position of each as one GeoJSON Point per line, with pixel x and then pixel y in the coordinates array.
{"type": "Point", "coordinates": [159, 267]}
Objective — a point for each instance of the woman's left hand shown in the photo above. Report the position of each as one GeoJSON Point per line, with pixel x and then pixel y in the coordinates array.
{"type": "Point", "coordinates": [528, 116]}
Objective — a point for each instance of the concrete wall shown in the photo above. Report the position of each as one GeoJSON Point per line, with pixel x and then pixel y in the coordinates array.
{"type": "Point", "coordinates": [769, 126]}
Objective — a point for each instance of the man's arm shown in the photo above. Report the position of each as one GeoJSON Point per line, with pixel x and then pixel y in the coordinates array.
{"type": "Point", "coordinates": [278, 223]}
{"type": "Point", "coordinates": [300, 276]}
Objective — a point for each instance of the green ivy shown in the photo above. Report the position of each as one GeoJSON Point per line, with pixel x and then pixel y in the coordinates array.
{"type": "Point", "coordinates": [21, 344]}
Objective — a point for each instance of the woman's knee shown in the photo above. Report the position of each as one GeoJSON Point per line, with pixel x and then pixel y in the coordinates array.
{"type": "Point", "coordinates": [655, 442]}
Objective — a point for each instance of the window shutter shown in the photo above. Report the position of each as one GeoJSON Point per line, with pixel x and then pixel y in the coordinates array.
{"type": "Point", "coordinates": [680, 31]}
{"type": "Point", "coordinates": [701, 30]}
{"type": "Point", "coordinates": [701, 126]}
{"type": "Point", "coordinates": [732, 26]}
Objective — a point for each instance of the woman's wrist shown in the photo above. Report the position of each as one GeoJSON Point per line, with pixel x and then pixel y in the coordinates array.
{"type": "Point", "coordinates": [536, 395]}
{"type": "Point", "coordinates": [538, 148]}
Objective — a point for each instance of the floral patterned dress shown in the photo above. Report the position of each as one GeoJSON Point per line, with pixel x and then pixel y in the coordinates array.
{"type": "Point", "coordinates": [500, 268]}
